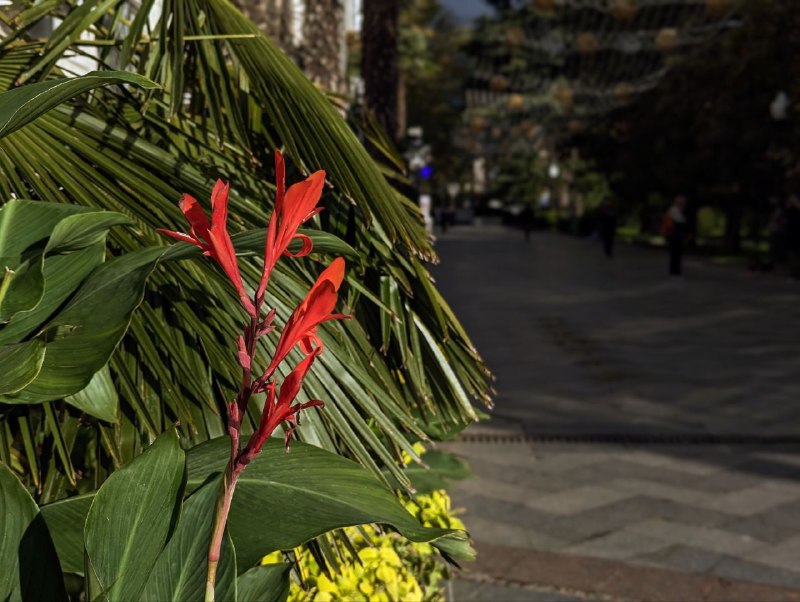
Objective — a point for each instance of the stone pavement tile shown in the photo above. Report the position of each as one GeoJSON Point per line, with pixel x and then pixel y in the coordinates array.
{"type": "Point", "coordinates": [715, 540]}
{"type": "Point", "coordinates": [786, 457]}
{"type": "Point", "coordinates": [502, 511]}
{"type": "Point", "coordinates": [560, 463]}
{"type": "Point", "coordinates": [724, 481]}
{"type": "Point", "coordinates": [619, 545]}
{"type": "Point", "coordinates": [488, 487]}
{"type": "Point", "coordinates": [773, 525]}
{"type": "Point", "coordinates": [578, 499]}
{"type": "Point", "coordinates": [754, 500]}
{"type": "Point", "coordinates": [654, 489]}
{"type": "Point", "coordinates": [772, 468]}
{"type": "Point", "coordinates": [604, 578]}
{"type": "Point", "coordinates": [622, 466]}
{"type": "Point", "coordinates": [508, 533]}
{"type": "Point", "coordinates": [613, 517]}
{"type": "Point", "coordinates": [681, 558]}
{"type": "Point", "coordinates": [501, 471]}
{"type": "Point", "coordinates": [737, 568]}
{"type": "Point", "coordinates": [785, 555]}
{"type": "Point", "coordinates": [475, 591]}
{"type": "Point", "coordinates": [744, 502]}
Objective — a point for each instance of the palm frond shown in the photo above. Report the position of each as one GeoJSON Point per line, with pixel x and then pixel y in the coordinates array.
{"type": "Point", "coordinates": [403, 363]}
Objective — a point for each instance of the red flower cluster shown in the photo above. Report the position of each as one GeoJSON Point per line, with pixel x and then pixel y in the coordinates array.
{"type": "Point", "coordinates": [293, 207]}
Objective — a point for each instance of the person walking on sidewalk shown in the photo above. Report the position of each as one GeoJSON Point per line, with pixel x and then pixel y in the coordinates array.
{"type": "Point", "coordinates": [607, 227]}
{"type": "Point", "coordinates": [674, 229]}
{"type": "Point", "coordinates": [793, 234]}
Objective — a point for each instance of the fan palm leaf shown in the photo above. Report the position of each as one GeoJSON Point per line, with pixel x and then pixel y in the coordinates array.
{"type": "Point", "coordinates": [230, 97]}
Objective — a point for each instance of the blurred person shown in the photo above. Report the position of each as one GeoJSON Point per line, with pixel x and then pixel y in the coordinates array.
{"type": "Point", "coordinates": [793, 234]}
{"type": "Point", "coordinates": [607, 227]}
{"type": "Point", "coordinates": [777, 233]}
{"type": "Point", "coordinates": [674, 229]}
{"type": "Point", "coordinates": [448, 217]}
{"type": "Point", "coordinates": [526, 220]}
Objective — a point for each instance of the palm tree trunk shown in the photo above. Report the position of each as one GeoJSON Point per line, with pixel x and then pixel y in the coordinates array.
{"type": "Point", "coordinates": [379, 61]}
{"type": "Point", "coordinates": [321, 52]}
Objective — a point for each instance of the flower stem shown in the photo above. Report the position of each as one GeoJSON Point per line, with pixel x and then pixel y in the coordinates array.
{"type": "Point", "coordinates": [236, 410]}
{"type": "Point", "coordinates": [221, 518]}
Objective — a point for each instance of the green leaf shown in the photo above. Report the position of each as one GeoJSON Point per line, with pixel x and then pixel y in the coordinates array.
{"type": "Point", "coordinates": [283, 500]}
{"type": "Point", "coordinates": [99, 398]}
{"type": "Point", "coordinates": [66, 519]}
{"type": "Point", "coordinates": [21, 364]}
{"type": "Point", "coordinates": [180, 571]}
{"type": "Point", "coordinates": [23, 223]}
{"type": "Point", "coordinates": [24, 104]}
{"type": "Point", "coordinates": [29, 566]}
{"type": "Point", "coordinates": [265, 583]}
{"type": "Point", "coordinates": [38, 284]}
{"type": "Point", "coordinates": [89, 327]}
{"type": "Point", "coordinates": [440, 468]}
{"type": "Point", "coordinates": [23, 287]}
{"type": "Point", "coordinates": [63, 274]}
{"type": "Point", "coordinates": [82, 230]}
{"type": "Point", "coordinates": [130, 519]}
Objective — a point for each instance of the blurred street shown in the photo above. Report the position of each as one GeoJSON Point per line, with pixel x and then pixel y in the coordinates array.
{"type": "Point", "coordinates": [647, 428]}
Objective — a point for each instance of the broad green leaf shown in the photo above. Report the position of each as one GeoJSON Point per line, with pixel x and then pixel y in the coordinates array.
{"type": "Point", "coordinates": [130, 518]}
{"type": "Point", "coordinates": [180, 571]}
{"type": "Point", "coordinates": [25, 103]}
{"type": "Point", "coordinates": [23, 223]}
{"type": "Point", "coordinates": [78, 231]}
{"type": "Point", "coordinates": [283, 500]}
{"type": "Point", "coordinates": [268, 583]}
{"type": "Point", "coordinates": [66, 519]}
{"type": "Point", "coordinates": [29, 282]}
{"type": "Point", "coordinates": [21, 363]}
{"type": "Point", "coordinates": [90, 326]}
{"type": "Point", "coordinates": [23, 287]}
{"type": "Point", "coordinates": [29, 568]}
{"type": "Point", "coordinates": [99, 398]}
{"type": "Point", "coordinates": [63, 274]}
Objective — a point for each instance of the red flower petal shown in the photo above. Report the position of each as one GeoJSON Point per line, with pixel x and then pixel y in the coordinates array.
{"type": "Point", "coordinates": [293, 207]}
{"type": "Point", "coordinates": [194, 215]}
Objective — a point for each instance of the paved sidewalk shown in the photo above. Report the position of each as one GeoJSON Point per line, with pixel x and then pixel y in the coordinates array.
{"type": "Point", "coordinates": [698, 379]}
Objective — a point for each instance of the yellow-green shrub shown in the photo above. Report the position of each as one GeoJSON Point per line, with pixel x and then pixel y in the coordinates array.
{"type": "Point", "coordinates": [388, 567]}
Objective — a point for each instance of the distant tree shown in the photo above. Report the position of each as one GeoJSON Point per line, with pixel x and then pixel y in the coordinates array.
{"type": "Point", "coordinates": [379, 35]}
{"type": "Point", "coordinates": [321, 51]}
{"type": "Point", "coordinates": [432, 75]}
{"type": "Point", "coordinates": [707, 129]}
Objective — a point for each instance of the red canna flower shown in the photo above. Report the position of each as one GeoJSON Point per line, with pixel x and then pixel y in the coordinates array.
{"type": "Point", "coordinates": [213, 238]}
{"type": "Point", "coordinates": [316, 308]}
{"type": "Point", "coordinates": [293, 207]}
{"type": "Point", "coordinates": [282, 410]}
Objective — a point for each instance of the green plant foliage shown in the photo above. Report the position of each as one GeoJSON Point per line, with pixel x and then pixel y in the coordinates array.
{"type": "Point", "coordinates": [29, 567]}
{"type": "Point", "coordinates": [22, 105]}
{"type": "Point", "coordinates": [130, 520]}
{"type": "Point", "coordinates": [180, 571]}
{"type": "Point", "coordinates": [305, 493]}
{"type": "Point", "coordinates": [21, 363]}
{"type": "Point", "coordinates": [65, 309]}
{"type": "Point", "coordinates": [65, 519]}
{"type": "Point", "coordinates": [139, 542]}
{"type": "Point", "coordinates": [269, 582]}
{"type": "Point", "coordinates": [379, 565]}
{"type": "Point", "coordinates": [235, 98]}
{"type": "Point", "coordinates": [438, 470]}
